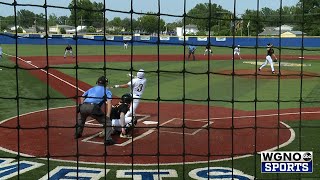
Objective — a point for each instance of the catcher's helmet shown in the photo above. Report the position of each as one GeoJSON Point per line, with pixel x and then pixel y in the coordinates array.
{"type": "Point", "coordinates": [102, 80]}
{"type": "Point", "coordinates": [126, 98]}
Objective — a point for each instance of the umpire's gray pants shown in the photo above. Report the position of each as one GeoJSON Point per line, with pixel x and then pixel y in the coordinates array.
{"type": "Point", "coordinates": [88, 110]}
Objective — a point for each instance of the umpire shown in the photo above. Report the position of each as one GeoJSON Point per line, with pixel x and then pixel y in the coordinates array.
{"type": "Point", "coordinates": [91, 103]}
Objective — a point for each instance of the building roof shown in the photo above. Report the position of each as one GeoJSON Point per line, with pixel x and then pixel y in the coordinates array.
{"type": "Point", "coordinates": [277, 32]}
{"type": "Point", "coordinates": [191, 26]}
{"type": "Point", "coordinates": [62, 26]}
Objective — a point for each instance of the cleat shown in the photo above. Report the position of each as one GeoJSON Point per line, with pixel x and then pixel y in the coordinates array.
{"type": "Point", "coordinates": [128, 136]}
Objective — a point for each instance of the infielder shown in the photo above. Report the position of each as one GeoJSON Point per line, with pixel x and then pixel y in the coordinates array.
{"type": "Point", "coordinates": [0, 54]}
{"type": "Point", "coordinates": [207, 50]}
{"type": "Point", "coordinates": [138, 85]}
{"type": "Point", "coordinates": [125, 45]}
{"type": "Point", "coordinates": [270, 55]}
{"type": "Point", "coordinates": [192, 50]}
{"type": "Point", "coordinates": [68, 49]}
{"type": "Point", "coordinates": [236, 51]}
{"type": "Point", "coordinates": [90, 105]}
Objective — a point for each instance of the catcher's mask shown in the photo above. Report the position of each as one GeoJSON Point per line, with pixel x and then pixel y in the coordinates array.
{"type": "Point", "coordinates": [126, 98]}
{"type": "Point", "coordinates": [103, 81]}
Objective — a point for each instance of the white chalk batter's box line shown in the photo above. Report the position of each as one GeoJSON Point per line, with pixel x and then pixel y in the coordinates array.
{"type": "Point", "coordinates": [186, 133]}
{"type": "Point", "coordinates": [89, 139]}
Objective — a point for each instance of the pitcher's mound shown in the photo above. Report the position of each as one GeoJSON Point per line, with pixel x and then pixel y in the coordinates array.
{"type": "Point", "coordinates": [266, 74]}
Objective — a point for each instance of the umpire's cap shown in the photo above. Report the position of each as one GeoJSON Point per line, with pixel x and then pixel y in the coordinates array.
{"type": "Point", "coordinates": [126, 98]}
{"type": "Point", "coordinates": [102, 81]}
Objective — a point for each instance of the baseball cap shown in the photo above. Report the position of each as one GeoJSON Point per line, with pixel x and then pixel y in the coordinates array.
{"type": "Point", "coordinates": [140, 74]}
{"type": "Point", "coordinates": [102, 80]}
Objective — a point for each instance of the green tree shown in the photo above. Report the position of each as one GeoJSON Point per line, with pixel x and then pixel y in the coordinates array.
{"type": "Point", "coordinates": [200, 15]}
{"type": "Point", "coordinates": [307, 14]}
{"type": "Point", "coordinates": [149, 23]}
{"type": "Point", "coordinates": [52, 20]}
{"type": "Point", "coordinates": [26, 18]}
{"type": "Point", "coordinates": [64, 20]}
{"type": "Point", "coordinates": [62, 31]}
{"type": "Point", "coordinates": [91, 29]}
{"type": "Point", "coordinates": [252, 23]}
{"type": "Point", "coordinates": [126, 24]}
{"type": "Point", "coordinates": [88, 13]}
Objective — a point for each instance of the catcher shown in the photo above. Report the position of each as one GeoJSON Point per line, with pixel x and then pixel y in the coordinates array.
{"type": "Point", "coordinates": [121, 125]}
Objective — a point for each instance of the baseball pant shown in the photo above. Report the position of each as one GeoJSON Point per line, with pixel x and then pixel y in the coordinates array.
{"type": "Point", "coordinates": [268, 60]}
{"type": "Point", "coordinates": [117, 125]}
{"type": "Point", "coordinates": [95, 112]}
{"type": "Point", "coordinates": [206, 51]}
{"type": "Point", "coordinates": [134, 105]}
{"type": "Point", "coordinates": [191, 53]}
{"type": "Point", "coordinates": [66, 52]}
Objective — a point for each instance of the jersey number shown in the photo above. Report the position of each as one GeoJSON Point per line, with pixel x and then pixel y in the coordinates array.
{"type": "Point", "coordinates": [139, 89]}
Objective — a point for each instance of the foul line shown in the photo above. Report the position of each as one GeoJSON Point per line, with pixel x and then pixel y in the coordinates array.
{"type": "Point", "coordinates": [62, 80]}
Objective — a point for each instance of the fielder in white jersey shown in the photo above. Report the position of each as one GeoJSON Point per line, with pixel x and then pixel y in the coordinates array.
{"type": "Point", "coordinates": [0, 52]}
{"type": "Point", "coordinates": [137, 85]}
{"type": "Point", "coordinates": [236, 51]}
{"type": "Point", "coordinates": [0, 55]}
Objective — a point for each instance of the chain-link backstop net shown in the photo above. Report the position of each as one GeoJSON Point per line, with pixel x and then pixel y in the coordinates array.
{"type": "Point", "coordinates": [221, 89]}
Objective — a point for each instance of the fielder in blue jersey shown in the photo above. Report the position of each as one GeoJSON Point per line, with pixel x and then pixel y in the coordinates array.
{"type": "Point", "coordinates": [91, 105]}
{"type": "Point", "coordinates": [192, 50]}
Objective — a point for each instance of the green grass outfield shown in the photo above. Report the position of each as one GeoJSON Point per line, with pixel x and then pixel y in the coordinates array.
{"type": "Point", "coordinates": [54, 50]}
{"type": "Point", "coordinates": [33, 93]}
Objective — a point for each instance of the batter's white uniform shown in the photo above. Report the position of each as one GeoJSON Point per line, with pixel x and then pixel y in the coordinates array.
{"type": "Point", "coordinates": [138, 85]}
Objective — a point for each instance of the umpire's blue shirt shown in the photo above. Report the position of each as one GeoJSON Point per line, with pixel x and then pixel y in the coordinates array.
{"type": "Point", "coordinates": [95, 94]}
{"type": "Point", "coordinates": [192, 48]}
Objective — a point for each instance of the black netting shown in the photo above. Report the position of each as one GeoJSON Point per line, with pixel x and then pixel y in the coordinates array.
{"type": "Point", "coordinates": [248, 25]}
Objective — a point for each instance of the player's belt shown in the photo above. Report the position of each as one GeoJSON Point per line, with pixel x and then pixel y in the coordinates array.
{"type": "Point", "coordinates": [88, 103]}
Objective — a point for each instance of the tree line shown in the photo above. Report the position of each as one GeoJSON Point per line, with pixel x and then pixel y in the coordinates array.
{"type": "Point", "coordinates": [207, 17]}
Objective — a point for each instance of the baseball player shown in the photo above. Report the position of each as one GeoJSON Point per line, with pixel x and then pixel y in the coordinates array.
{"type": "Point", "coordinates": [121, 124]}
{"type": "Point", "coordinates": [68, 49]}
{"type": "Point", "coordinates": [192, 50]}
{"type": "Point", "coordinates": [270, 55]}
{"type": "Point", "coordinates": [0, 52]}
{"type": "Point", "coordinates": [138, 85]}
{"type": "Point", "coordinates": [90, 105]}
{"type": "Point", "coordinates": [207, 50]}
{"type": "Point", "coordinates": [125, 45]}
{"type": "Point", "coordinates": [236, 51]}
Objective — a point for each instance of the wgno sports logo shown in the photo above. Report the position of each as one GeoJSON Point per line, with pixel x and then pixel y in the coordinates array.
{"type": "Point", "coordinates": [287, 162]}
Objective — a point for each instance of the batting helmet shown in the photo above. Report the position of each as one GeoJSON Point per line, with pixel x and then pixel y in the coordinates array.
{"type": "Point", "coordinates": [102, 80]}
{"type": "Point", "coordinates": [126, 98]}
{"type": "Point", "coordinates": [140, 74]}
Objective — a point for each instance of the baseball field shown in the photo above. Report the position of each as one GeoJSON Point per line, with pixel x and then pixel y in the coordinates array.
{"type": "Point", "coordinates": [206, 117]}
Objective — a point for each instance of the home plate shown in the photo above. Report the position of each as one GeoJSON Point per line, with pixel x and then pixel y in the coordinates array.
{"type": "Point", "coordinates": [150, 122]}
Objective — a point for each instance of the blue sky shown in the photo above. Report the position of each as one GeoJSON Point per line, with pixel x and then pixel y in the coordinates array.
{"type": "Point", "coordinates": [174, 7]}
